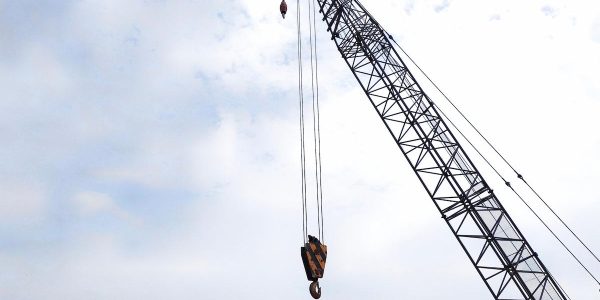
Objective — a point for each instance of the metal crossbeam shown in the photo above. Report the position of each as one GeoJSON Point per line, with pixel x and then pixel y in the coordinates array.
{"type": "Point", "coordinates": [495, 246]}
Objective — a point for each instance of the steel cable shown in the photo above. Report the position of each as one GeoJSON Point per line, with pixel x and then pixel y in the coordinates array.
{"type": "Point", "coordinates": [318, 117]}
{"type": "Point", "coordinates": [496, 171]}
{"type": "Point", "coordinates": [312, 82]}
{"type": "Point", "coordinates": [302, 147]}
{"type": "Point", "coordinates": [499, 154]}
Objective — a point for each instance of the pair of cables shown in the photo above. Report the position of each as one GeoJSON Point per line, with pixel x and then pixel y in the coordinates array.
{"type": "Point", "coordinates": [314, 85]}
{"type": "Point", "coordinates": [506, 182]}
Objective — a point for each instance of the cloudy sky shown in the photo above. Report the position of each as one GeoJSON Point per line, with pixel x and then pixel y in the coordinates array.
{"type": "Point", "coordinates": [151, 149]}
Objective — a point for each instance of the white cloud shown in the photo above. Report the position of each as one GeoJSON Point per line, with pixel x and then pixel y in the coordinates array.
{"type": "Point", "coordinates": [442, 6]}
{"type": "Point", "coordinates": [152, 99]}
{"type": "Point", "coordinates": [89, 204]}
{"type": "Point", "coordinates": [596, 31]}
{"type": "Point", "coordinates": [549, 11]}
{"type": "Point", "coordinates": [21, 203]}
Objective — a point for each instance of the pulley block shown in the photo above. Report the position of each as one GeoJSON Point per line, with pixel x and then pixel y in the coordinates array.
{"type": "Point", "coordinates": [314, 255]}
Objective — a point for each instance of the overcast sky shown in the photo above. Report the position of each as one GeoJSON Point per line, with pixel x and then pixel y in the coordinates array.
{"type": "Point", "coordinates": [150, 149]}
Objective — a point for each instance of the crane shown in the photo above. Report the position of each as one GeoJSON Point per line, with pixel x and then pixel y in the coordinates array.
{"type": "Point", "coordinates": [503, 258]}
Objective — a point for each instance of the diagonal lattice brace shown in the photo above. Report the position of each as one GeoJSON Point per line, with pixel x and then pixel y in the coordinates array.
{"type": "Point", "coordinates": [497, 249]}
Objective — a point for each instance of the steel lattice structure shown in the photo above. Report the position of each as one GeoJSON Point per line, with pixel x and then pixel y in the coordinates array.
{"type": "Point", "coordinates": [502, 256]}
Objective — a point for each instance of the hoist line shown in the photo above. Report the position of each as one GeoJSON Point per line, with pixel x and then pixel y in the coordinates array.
{"type": "Point", "coordinates": [315, 116]}
{"type": "Point", "coordinates": [312, 82]}
{"type": "Point", "coordinates": [519, 176]}
{"type": "Point", "coordinates": [496, 171]}
{"type": "Point", "coordinates": [318, 116]}
{"type": "Point", "coordinates": [302, 147]}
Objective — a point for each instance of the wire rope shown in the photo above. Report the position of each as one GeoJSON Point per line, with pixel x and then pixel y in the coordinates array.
{"type": "Point", "coordinates": [507, 183]}
{"type": "Point", "coordinates": [554, 234]}
{"type": "Point", "coordinates": [318, 117]}
{"type": "Point", "coordinates": [519, 176]}
{"type": "Point", "coordinates": [312, 82]}
{"type": "Point", "coordinates": [496, 171]}
{"type": "Point", "coordinates": [302, 146]}
{"type": "Point", "coordinates": [311, 9]}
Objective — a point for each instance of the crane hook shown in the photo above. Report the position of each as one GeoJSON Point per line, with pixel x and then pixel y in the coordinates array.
{"type": "Point", "coordinates": [315, 290]}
